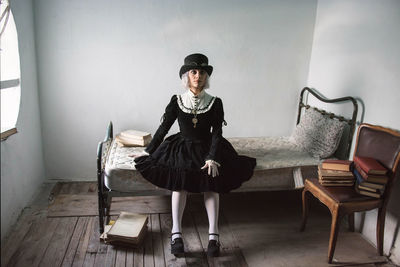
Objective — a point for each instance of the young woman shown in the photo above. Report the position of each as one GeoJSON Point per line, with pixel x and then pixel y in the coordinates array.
{"type": "Point", "coordinates": [197, 159]}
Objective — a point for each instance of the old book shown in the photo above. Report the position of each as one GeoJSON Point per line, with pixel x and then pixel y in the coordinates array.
{"type": "Point", "coordinates": [127, 242]}
{"type": "Point", "coordinates": [370, 165]}
{"type": "Point", "coordinates": [131, 142]}
{"type": "Point", "coordinates": [344, 182]}
{"type": "Point", "coordinates": [129, 227]}
{"type": "Point", "coordinates": [334, 173]}
{"type": "Point", "coordinates": [336, 184]}
{"type": "Point", "coordinates": [330, 178]}
{"type": "Point", "coordinates": [134, 134]}
{"type": "Point", "coordinates": [380, 179]}
{"type": "Point", "coordinates": [344, 179]}
{"type": "Point", "coordinates": [367, 193]}
{"type": "Point", "coordinates": [360, 180]}
{"type": "Point", "coordinates": [335, 164]}
{"type": "Point", "coordinates": [373, 185]}
{"type": "Point", "coordinates": [366, 188]}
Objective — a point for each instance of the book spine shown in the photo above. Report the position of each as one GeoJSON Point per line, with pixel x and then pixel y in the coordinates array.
{"type": "Point", "coordinates": [361, 171]}
{"type": "Point", "coordinates": [370, 165]}
{"type": "Point", "coordinates": [366, 193]}
{"type": "Point", "coordinates": [357, 175]}
{"type": "Point", "coordinates": [364, 187]}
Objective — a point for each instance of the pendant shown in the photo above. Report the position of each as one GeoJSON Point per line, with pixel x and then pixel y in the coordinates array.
{"type": "Point", "coordinates": [194, 120]}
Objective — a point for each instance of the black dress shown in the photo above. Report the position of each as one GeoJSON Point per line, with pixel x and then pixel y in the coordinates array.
{"type": "Point", "coordinates": [176, 162]}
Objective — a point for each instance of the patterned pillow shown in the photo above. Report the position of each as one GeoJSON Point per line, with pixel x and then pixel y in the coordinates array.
{"type": "Point", "coordinates": [318, 134]}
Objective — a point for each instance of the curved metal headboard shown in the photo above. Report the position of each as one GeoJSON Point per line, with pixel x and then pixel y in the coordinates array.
{"type": "Point", "coordinates": [351, 122]}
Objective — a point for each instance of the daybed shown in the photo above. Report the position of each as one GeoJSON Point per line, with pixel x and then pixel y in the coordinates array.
{"type": "Point", "coordinates": [281, 163]}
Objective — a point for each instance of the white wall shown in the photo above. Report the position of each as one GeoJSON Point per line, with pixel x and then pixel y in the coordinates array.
{"type": "Point", "coordinates": [100, 61]}
{"type": "Point", "coordinates": [356, 51]}
{"type": "Point", "coordinates": [22, 166]}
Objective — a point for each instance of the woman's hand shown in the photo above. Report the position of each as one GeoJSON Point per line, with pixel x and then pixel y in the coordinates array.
{"type": "Point", "coordinates": [139, 154]}
{"type": "Point", "coordinates": [212, 167]}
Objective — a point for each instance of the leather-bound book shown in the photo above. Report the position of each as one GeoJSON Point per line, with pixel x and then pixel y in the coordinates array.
{"type": "Point", "coordinates": [370, 165]}
{"type": "Point", "coordinates": [336, 164]}
{"type": "Point", "coordinates": [380, 179]}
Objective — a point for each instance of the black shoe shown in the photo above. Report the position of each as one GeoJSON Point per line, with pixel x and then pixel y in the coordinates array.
{"type": "Point", "coordinates": [213, 247]}
{"type": "Point", "coordinates": [177, 247]}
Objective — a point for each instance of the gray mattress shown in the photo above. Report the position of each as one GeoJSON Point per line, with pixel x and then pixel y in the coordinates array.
{"type": "Point", "coordinates": [278, 165]}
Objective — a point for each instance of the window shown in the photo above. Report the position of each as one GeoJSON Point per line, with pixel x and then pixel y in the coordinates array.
{"type": "Point", "coordinates": [10, 71]}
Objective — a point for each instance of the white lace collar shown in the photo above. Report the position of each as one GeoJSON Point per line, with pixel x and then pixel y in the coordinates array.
{"type": "Point", "coordinates": [202, 103]}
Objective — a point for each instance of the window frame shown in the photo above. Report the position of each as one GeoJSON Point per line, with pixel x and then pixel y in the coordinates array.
{"type": "Point", "coordinates": [12, 83]}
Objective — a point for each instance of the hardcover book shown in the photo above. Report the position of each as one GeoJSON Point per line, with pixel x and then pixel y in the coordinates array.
{"type": "Point", "coordinates": [334, 173]}
{"type": "Point", "coordinates": [124, 141]}
{"type": "Point", "coordinates": [335, 164]}
{"type": "Point", "coordinates": [134, 134]}
{"type": "Point", "coordinates": [366, 188]}
{"type": "Point", "coordinates": [367, 193]}
{"type": "Point", "coordinates": [360, 180]}
{"type": "Point", "coordinates": [336, 184]}
{"type": "Point", "coordinates": [129, 228]}
{"type": "Point", "coordinates": [370, 165]}
{"type": "Point", "coordinates": [379, 179]}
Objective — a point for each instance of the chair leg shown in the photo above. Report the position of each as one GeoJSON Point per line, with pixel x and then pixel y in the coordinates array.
{"type": "Point", "coordinates": [380, 227]}
{"type": "Point", "coordinates": [334, 233]}
{"type": "Point", "coordinates": [350, 218]}
{"type": "Point", "coordinates": [305, 197]}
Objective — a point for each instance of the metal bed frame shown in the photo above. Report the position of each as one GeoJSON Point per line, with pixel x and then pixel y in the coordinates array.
{"type": "Point", "coordinates": [105, 195]}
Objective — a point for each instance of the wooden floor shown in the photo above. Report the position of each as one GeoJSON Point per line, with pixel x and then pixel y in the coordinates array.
{"type": "Point", "coordinates": [257, 229]}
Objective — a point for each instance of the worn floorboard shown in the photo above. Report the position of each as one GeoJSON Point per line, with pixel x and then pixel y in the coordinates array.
{"type": "Point", "coordinates": [256, 229]}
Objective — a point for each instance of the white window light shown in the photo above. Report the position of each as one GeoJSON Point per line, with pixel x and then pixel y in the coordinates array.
{"type": "Point", "coordinates": [10, 70]}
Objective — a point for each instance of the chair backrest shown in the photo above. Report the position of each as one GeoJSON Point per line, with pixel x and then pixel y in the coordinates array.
{"type": "Point", "coordinates": [382, 144]}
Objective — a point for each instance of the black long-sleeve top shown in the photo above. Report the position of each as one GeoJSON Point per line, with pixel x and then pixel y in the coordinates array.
{"type": "Point", "coordinates": [208, 127]}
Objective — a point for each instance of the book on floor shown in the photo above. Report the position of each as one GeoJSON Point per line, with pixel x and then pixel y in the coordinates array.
{"type": "Point", "coordinates": [370, 165]}
{"type": "Point", "coordinates": [128, 229]}
{"type": "Point", "coordinates": [336, 164]}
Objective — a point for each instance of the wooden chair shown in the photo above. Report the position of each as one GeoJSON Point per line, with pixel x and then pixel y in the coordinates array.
{"type": "Point", "coordinates": [377, 142]}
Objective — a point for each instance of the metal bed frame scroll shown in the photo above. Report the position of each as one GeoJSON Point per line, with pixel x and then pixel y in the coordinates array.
{"type": "Point", "coordinates": [351, 122]}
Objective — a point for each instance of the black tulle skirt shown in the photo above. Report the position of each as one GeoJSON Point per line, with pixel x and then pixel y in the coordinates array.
{"type": "Point", "coordinates": [176, 165]}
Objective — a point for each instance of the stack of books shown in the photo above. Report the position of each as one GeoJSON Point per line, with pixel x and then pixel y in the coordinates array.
{"type": "Point", "coordinates": [133, 138]}
{"type": "Point", "coordinates": [371, 176]}
{"type": "Point", "coordinates": [335, 173]}
{"type": "Point", "coordinates": [128, 230]}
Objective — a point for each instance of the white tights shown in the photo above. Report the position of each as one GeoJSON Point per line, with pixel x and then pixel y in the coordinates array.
{"type": "Point", "coordinates": [211, 202]}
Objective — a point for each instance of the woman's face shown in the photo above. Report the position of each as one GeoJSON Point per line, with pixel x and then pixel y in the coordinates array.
{"type": "Point", "coordinates": [197, 79]}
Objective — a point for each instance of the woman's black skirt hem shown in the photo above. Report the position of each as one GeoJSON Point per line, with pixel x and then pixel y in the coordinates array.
{"type": "Point", "coordinates": [176, 165]}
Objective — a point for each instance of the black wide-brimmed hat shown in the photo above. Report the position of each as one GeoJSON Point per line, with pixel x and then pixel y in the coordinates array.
{"type": "Point", "coordinates": [196, 61]}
